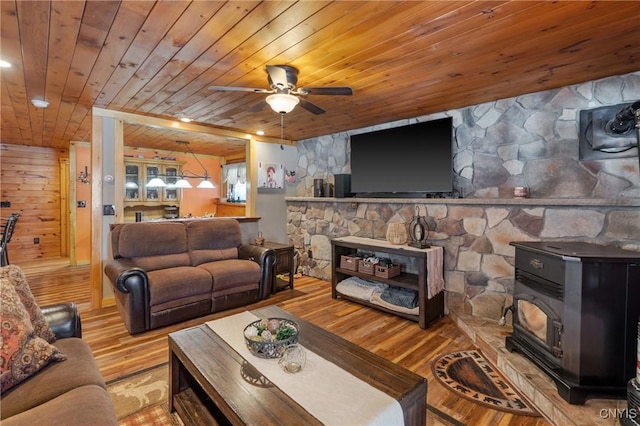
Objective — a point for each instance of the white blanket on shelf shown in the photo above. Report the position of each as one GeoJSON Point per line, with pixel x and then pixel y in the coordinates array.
{"type": "Point", "coordinates": [359, 288]}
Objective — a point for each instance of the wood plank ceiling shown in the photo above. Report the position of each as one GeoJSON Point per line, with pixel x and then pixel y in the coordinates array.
{"type": "Point", "coordinates": [402, 59]}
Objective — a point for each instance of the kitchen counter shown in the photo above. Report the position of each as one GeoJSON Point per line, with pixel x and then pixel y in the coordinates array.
{"type": "Point", "coordinates": [226, 209]}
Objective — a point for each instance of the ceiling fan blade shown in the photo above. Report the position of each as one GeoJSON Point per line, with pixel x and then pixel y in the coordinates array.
{"type": "Point", "coordinates": [258, 107]}
{"type": "Point", "coordinates": [278, 76]}
{"type": "Point", "coordinates": [336, 90]}
{"type": "Point", "coordinates": [239, 89]}
{"type": "Point", "coordinates": [312, 108]}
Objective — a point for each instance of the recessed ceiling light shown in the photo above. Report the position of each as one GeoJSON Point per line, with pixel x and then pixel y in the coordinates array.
{"type": "Point", "coordinates": [38, 103]}
{"type": "Point", "coordinates": [4, 64]}
{"type": "Point", "coordinates": [185, 120]}
{"type": "Point", "coordinates": [260, 133]}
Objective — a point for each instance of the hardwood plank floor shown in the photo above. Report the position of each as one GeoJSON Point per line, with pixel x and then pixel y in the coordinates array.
{"type": "Point", "coordinates": [119, 354]}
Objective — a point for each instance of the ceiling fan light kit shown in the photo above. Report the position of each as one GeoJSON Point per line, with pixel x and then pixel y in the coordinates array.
{"type": "Point", "coordinates": [284, 96]}
{"type": "Point", "coordinates": [282, 103]}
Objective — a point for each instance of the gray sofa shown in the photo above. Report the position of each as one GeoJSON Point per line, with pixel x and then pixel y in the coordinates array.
{"type": "Point", "coordinates": [71, 392]}
{"type": "Point", "coordinates": [167, 272]}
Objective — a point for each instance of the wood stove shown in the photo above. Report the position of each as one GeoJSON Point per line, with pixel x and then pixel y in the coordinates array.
{"type": "Point", "coordinates": [575, 310]}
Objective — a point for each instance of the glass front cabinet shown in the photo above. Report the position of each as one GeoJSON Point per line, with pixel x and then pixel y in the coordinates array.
{"type": "Point", "coordinates": [152, 171]}
{"type": "Point", "coordinates": [132, 179]}
{"type": "Point", "coordinates": [170, 193]}
{"type": "Point", "coordinates": [138, 174]}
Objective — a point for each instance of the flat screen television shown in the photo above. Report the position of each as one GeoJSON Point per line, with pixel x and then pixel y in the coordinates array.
{"type": "Point", "coordinates": [409, 161]}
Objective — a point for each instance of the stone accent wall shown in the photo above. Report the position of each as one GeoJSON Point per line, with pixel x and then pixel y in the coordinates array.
{"type": "Point", "coordinates": [478, 258]}
{"type": "Point", "coordinates": [530, 140]}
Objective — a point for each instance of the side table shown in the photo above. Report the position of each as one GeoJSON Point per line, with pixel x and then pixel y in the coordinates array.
{"type": "Point", "coordinates": [283, 274]}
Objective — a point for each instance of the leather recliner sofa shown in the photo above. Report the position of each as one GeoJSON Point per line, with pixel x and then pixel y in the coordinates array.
{"type": "Point", "coordinates": [167, 272]}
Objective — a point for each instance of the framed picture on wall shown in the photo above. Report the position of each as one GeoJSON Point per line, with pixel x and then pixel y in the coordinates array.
{"type": "Point", "coordinates": [270, 177]}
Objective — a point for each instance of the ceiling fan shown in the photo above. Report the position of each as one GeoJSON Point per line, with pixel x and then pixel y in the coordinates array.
{"type": "Point", "coordinates": [284, 94]}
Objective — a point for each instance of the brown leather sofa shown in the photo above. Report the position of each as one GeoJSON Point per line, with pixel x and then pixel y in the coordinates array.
{"type": "Point", "coordinates": [168, 272]}
{"type": "Point", "coordinates": [70, 392]}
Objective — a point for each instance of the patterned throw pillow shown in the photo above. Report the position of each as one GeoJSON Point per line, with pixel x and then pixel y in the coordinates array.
{"type": "Point", "coordinates": [40, 326]}
{"type": "Point", "coordinates": [23, 353]}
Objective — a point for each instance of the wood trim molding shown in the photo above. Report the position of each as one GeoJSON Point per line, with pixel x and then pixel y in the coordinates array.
{"type": "Point", "coordinates": [189, 127]}
{"type": "Point", "coordinates": [96, 213]}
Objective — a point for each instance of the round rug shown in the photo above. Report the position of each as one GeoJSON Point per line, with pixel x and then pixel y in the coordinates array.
{"type": "Point", "coordinates": [469, 375]}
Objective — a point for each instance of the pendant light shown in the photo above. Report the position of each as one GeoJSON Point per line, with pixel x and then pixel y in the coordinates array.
{"type": "Point", "coordinates": [206, 183]}
{"type": "Point", "coordinates": [156, 182]}
{"type": "Point", "coordinates": [182, 183]}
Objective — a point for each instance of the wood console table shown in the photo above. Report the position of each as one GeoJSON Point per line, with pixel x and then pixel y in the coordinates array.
{"type": "Point", "coordinates": [429, 309]}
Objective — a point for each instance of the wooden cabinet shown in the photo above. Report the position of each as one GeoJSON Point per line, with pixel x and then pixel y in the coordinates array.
{"type": "Point", "coordinates": [429, 309]}
{"type": "Point", "coordinates": [139, 172]}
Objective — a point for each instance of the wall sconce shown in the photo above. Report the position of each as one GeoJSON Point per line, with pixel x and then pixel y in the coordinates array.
{"type": "Point", "coordinates": [84, 177]}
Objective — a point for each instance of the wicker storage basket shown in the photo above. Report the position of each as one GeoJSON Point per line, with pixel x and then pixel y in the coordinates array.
{"type": "Point", "coordinates": [365, 267]}
{"type": "Point", "coordinates": [387, 272]}
{"type": "Point", "coordinates": [273, 349]}
{"type": "Point", "coordinates": [349, 263]}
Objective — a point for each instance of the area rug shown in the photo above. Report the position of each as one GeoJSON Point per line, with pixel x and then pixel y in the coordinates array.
{"type": "Point", "coordinates": [141, 398]}
{"type": "Point", "coordinates": [469, 375]}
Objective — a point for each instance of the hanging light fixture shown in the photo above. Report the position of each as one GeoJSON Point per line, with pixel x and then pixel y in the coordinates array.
{"type": "Point", "coordinates": [282, 103]}
{"type": "Point", "coordinates": [182, 183]}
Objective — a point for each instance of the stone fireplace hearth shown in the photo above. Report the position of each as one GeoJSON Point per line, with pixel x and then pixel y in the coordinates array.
{"type": "Point", "coordinates": [536, 386]}
{"type": "Point", "coordinates": [475, 234]}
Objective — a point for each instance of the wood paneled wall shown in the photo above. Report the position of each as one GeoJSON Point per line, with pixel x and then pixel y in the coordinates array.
{"type": "Point", "coordinates": [30, 181]}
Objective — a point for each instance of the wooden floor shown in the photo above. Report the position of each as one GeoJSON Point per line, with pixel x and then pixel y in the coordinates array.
{"type": "Point", "coordinates": [119, 354]}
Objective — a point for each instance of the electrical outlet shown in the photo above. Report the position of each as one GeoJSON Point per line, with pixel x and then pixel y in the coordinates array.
{"type": "Point", "coordinates": [5, 203]}
{"type": "Point", "coordinates": [108, 209]}
{"type": "Point", "coordinates": [36, 240]}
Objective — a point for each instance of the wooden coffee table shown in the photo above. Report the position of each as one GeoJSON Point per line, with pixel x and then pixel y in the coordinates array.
{"type": "Point", "coordinates": [211, 383]}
